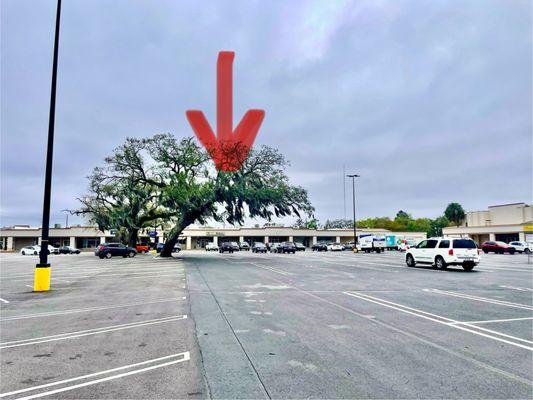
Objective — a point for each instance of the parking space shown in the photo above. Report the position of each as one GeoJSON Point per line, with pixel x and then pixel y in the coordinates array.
{"type": "Point", "coordinates": [320, 325]}
{"type": "Point", "coordinates": [105, 323]}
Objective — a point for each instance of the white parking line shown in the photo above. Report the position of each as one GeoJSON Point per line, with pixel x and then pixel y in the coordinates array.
{"type": "Point", "coordinates": [272, 269]}
{"type": "Point", "coordinates": [80, 310]}
{"type": "Point", "coordinates": [185, 356]}
{"type": "Point", "coordinates": [441, 320]}
{"type": "Point", "coordinates": [95, 331]}
{"type": "Point", "coordinates": [522, 289]}
{"type": "Point", "coordinates": [481, 299]}
{"type": "Point", "coordinates": [490, 321]}
{"type": "Point", "coordinates": [4, 301]}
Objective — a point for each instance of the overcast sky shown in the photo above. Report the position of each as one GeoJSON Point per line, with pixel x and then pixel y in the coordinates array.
{"type": "Point", "coordinates": [429, 101]}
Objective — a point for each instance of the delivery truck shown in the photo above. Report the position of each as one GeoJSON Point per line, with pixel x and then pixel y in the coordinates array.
{"type": "Point", "coordinates": [369, 243]}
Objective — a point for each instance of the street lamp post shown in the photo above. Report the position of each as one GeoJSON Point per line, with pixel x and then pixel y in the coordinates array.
{"type": "Point", "coordinates": [353, 176]}
{"type": "Point", "coordinates": [42, 275]}
{"type": "Point", "coordinates": [66, 217]}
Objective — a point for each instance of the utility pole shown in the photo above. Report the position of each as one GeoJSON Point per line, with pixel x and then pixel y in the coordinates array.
{"type": "Point", "coordinates": [353, 176]}
{"type": "Point", "coordinates": [66, 217]}
{"type": "Point", "coordinates": [41, 282]}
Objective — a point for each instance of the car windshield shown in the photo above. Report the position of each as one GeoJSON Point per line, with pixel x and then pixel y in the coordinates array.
{"type": "Point", "coordinates": [464, 244]}
{"type": "Point", "coordinates": [501, 243]}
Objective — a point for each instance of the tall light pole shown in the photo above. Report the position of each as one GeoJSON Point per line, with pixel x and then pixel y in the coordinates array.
{"type": "Point", "coordinates": [41, 282]}
{"type": "Point", "coordinates": [66, 217]}
{"type": "Point", "coordinates": [353, 176]}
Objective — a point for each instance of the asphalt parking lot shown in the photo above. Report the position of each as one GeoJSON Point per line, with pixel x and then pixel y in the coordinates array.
{"type": "Point", "coordinates": [242, 325]}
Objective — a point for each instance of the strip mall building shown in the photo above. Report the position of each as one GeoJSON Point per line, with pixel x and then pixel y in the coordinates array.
{"type": "Point", "coordinates": [505, 222]}
{"type": "Point", "coordinates": [88, 237]}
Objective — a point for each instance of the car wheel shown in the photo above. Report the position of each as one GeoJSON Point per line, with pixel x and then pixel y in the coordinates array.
{"type": "Point", "coordinates": [410, 260]}
{"type": "Point", "coordinates": [131, 254]}
{"type": "Point", "coordinates": [527, 251]}
{"type": "Point", "coordinates": [440, 263]}
{"type": "Point", "coordinates": [108, 255]}
{"type": "Point", "coordinates": [34, 253]}
{"type": "Point", "coordinates": [485, 251]}
{"type": "Point", "coordinates": [468, 266]}
{"type": "Point", "coordinates": [23, 253]}
{"type": "Point", "coordinates": [101, 257]}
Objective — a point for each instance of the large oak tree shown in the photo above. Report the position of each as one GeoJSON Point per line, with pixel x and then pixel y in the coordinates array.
{"type": "Point", "coordinates": [185, 188]}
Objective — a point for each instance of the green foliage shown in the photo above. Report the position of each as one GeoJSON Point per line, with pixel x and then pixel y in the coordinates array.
{"type": "Point", "coordinates": [436, 226]}
{"type": "Point", "coordinates": [405, 223]}
{"type": "Point", "coordinates": [402, 215]}
{"type": "Point", "coordinates": [338, 224]}
{"type": "Point", "coordinates": [455, 213]}
{"type": "Point", "coordinates": [119, 197]}
{"type": "Point", "coordinates": [306, 224]}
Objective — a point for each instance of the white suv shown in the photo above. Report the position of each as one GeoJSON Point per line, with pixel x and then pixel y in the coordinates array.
{"type": "Point", "coordinates": [522, 247]}
{"type": "Point", "coordinates": [442, 252]}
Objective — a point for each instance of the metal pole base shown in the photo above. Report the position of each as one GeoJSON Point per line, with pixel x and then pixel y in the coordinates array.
{"type": "Point", "coordinates": [41, 279]}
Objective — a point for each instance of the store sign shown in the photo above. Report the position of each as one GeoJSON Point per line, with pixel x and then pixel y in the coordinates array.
{"type": "Point", "coordinates": [215, 234]}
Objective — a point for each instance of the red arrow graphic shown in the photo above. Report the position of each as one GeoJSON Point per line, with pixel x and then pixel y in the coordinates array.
{"type": "Point", "coordinates": [230, 147]}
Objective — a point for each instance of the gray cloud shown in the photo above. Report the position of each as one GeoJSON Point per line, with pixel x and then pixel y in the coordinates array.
{"type": "Point", "coordinates": [429, 101]}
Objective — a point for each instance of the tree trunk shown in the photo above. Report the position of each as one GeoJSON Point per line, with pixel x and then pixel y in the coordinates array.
{"type": "Point", "coordinates": [183, 222]}
{"type": "Point", "coordinates": [132, 240]}
{"type": "Point", "coordinates": [172, 239]}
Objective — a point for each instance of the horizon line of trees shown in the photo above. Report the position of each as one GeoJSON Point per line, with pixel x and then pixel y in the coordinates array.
{"type": "Point", "coordinates": [453, 215]}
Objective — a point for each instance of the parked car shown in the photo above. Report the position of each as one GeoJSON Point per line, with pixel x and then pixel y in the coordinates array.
{"type": "Point", "coordinates": [52, 249]}
{"type": "Point", "coordinates": [273, 247]}
{"type": "Point", "coordinates": [235, 246]}
{"type": "Point", "coordinates": [159, 247]}
{"type": "Point", "coordinates": [244, 246]}
{"type": "Point", "coordinates": [259, 247]}
{"type": "Point", "coordinates": [349, 246]}
{"type": "Point", "coordinates": [108, 250]}
{"type": "Point", "coordinates": [68, 250]}
{"type": "Point", "coordinates": [319, 247]}
{"type": "Point", "coordinates": [299, 246]}
{"type": "Point", "coordinates": [226, 246]}
{"type": "Point", "coordinates": [36, 249]}
{"type": "Point", "coordinates": [335, 247]}
{"type": "Point", "coordinates": [442, 252]}
{"type": "Point", "coordinates": [522, 247]}
{"type": "Point", "coordinates": [211, 247]}
{"type": "Point", "coordinates": [30, 250]}
{"type": "Point", "coordinates": [142, 248]}
{"type": "Point", "coordinates": [286, 247]}
{"type": "Point", "coordinates": [497, 247]}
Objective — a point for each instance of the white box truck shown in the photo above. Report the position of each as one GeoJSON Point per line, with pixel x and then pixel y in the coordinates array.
{"type": "Point", "coordinates": [369, 243]}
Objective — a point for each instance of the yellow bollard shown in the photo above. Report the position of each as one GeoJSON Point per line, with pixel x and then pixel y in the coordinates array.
{"type": "Point", "coordinates": [41, 281]}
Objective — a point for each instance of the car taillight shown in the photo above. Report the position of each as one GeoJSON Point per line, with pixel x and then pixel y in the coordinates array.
{"type": "Point", "coordinates": [101, 248]}
{"type": "Point", "coordinates": [450, 252]}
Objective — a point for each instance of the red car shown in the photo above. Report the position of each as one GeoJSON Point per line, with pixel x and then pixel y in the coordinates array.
{"type": "Point", "coordinates": [142, 248]}
{"type": "Point", "coordinates": [497, 247]}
